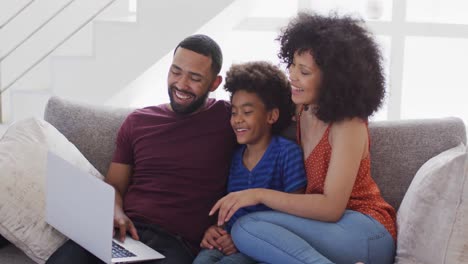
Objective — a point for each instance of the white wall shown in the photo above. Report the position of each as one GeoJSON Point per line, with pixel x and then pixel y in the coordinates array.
{"type": "Point", "coordinates": [150, 88]}
{"type": "Point", "coordinates": [99, 60]}
{"type": "Point", "coordinates": [123, 51]}
{"type": "Point", "coordinates": [38, 30]}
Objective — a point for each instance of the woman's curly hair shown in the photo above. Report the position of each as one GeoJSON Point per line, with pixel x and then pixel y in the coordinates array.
{"type": "Point", "coordinates": [269, 83]}
{"type": "Point", "coordinates": [353, 84]}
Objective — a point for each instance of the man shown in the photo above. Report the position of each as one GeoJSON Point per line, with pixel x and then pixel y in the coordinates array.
{"type": "Point", "coordinates": [171, 161]}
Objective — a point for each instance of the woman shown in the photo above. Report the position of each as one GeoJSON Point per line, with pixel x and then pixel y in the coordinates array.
{"type": "Point", "coordinates": [337, 83]}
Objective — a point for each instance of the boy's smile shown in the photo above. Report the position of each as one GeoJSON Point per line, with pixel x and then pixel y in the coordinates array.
{"type": "Point", "coordinates": [250, 119]}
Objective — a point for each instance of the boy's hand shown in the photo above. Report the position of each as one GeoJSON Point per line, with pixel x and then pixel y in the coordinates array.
{"type": "Point", "coordinates": [227, 245]}
{"type": "Point", "coordinates": [209, 240]}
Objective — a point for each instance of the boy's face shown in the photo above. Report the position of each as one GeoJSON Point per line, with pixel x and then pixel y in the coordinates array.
{"type": "Point", "coordinates": [250, 119]}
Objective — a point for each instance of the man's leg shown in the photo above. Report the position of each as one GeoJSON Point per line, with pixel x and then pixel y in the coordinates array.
{"type": "Point", "coordinates": [72, 253]}
{"type": "Point", "coordinates": [3, 242]}
{"type": "Point", "coordinates": [172, 247]}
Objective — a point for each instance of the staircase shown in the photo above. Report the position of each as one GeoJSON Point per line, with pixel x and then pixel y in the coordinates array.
{"type": "Point", "coordinates": [91, 50]}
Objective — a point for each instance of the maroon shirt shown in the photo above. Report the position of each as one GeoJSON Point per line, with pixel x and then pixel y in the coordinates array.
{"type": "Point", "coordinates": [180, 166]}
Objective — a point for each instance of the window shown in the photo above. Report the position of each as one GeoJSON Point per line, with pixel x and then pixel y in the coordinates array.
{"type": "Point", "coordinates": [438, 11]}
{"type": "Point", "coordinates": [424, 44]}
{"type": "Point", "coordinates": [434, 78]}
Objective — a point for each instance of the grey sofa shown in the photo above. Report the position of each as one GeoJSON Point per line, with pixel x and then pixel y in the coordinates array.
{"type": "Point", "coordinates": [398, 148]}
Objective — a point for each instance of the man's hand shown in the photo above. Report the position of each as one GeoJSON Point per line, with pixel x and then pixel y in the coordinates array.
{"type": "Point", "coordinates": [230, 203]}
{"type": "Point", "coordinates": [210, 237]}
{"type": "Point", "coordinates": [227, 245]}
{"type": "Point", "coordinates": [118, 176]}
{"type": "Point", "coordinates": [124, 224]}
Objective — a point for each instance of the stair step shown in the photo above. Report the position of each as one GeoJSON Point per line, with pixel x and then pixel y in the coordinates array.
{"type": "Point", "coordinates": [47, 38]}
{"type": "Point", "coordinates": [108, 54]}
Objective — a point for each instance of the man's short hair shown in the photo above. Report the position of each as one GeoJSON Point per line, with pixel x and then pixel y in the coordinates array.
{"type": "Point", "coordinates": [204, 45]}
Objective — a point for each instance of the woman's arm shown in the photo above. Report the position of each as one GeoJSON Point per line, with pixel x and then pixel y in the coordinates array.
{"type": "Point", "coordinates": [349, 145]}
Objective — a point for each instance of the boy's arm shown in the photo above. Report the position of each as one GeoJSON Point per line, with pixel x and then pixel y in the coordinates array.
{"type": "Point", "coordinates": [227, 245]}
{"type": "Point", "coordinates": [212, 234]}
{"type": "Point", "coordinates": [299, 191]}
{"type": "Point", "coordinates": [293, 171]}
{"type": "Point", "coordinates": [294, 180]}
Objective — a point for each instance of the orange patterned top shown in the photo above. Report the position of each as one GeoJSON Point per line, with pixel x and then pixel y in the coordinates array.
{"type": "Point", "coordinates": [365, 196]}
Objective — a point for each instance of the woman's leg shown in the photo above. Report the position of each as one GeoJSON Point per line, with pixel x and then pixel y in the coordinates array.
{"type": "Point", "coordinates": [276, 237]}
{"type": "Point", "coordinates": [271, 243]}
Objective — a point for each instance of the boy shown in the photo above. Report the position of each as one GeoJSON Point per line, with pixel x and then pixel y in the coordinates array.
{"type": "Point", "coordinates": [261, 109]}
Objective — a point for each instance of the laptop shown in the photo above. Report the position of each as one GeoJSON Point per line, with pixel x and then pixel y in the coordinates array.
{"type": "Point", "coordinates": [81, 207]}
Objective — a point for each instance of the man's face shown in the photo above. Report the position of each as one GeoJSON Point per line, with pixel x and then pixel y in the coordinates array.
{"type": "Point", "coordinates": [190, 80]}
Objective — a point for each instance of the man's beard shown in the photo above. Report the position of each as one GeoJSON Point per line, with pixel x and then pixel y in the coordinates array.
{"type": "Point", "coordinates": [192, 107]}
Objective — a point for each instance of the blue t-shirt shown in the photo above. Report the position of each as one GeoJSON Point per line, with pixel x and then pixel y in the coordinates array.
{"type": "Point", "coordinates": [281, 168]}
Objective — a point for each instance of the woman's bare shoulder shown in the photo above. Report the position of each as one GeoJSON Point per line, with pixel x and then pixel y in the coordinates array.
{"type": "Point", "coordinates": [350, 125]}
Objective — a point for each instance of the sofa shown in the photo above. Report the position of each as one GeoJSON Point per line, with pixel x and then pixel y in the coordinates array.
{"type": "Point", "coordinates": [398, 148]}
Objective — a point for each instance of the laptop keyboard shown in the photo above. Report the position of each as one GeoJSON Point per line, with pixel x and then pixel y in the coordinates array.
{"type": "Point", "coordinates": [120, 252]}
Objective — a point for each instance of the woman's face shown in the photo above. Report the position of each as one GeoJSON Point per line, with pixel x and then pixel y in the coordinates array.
{"type": "Point", "coordinates": [305, 77]}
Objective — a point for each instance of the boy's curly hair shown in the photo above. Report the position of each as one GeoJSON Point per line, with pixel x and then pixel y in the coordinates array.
{"type": "Point", "coordinates": [353, 84]}
{"type": "Point", "coordinates": [269, 83]}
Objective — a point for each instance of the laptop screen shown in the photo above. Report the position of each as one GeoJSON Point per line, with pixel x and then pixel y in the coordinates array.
{"type": "Point", "coordinates": [80, 206]}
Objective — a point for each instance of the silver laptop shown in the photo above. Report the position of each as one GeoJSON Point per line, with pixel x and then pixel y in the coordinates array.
{"type": "Point", "coordinates": [81, 207]}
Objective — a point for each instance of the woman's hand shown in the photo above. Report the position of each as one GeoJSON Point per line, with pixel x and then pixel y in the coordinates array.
{"type": "Point", "coordinates": [230, 203]}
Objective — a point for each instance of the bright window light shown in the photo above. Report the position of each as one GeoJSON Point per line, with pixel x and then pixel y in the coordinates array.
{"type": "Point", "coordinates": [435, 80]}
{"type": "Point", "coordinates": [438, 11]}
{"type": "Point", "coordinates": [132, 6]}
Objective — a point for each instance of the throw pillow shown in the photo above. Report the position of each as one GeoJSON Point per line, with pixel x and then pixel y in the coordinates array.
{"type": "Point", "coordinates": [427, 217]}
{"type": "Point", "coordinates": [23, 155]}
{"type": "Point", "coordinates": [457, 249]}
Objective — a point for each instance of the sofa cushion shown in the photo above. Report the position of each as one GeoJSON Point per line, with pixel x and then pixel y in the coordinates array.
{"type": "Point", "coordinates": [428, 214]}
{"type": "Point", "coordinates": [400, 148]}
{"type": "Point", "coordinates": [23, 155]}
{"type": "Point", "coordinates": [93, 129]}
{"type": "Point", "coordinates": [457, 249]}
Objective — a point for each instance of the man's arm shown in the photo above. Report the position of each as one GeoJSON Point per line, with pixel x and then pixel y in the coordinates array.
{"type": "Point", "coordinates": [118, 177]}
